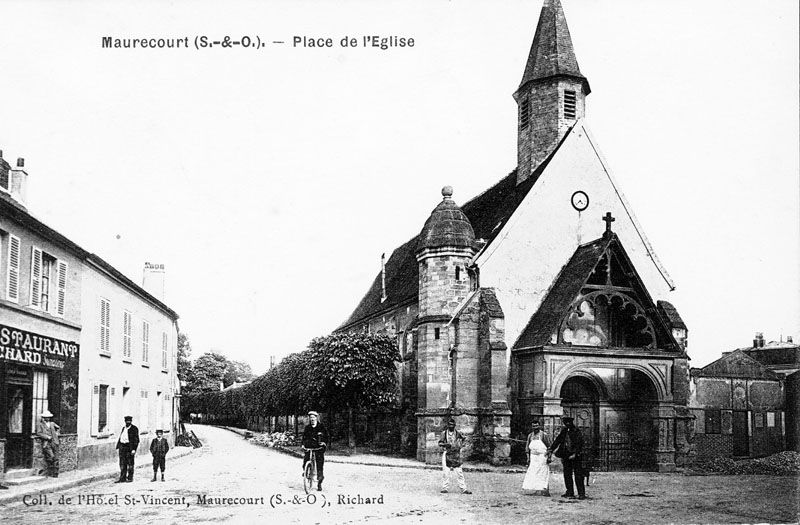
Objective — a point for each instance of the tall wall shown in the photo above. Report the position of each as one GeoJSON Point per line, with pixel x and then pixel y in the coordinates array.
{"type": "Point", "coordinates": [143, 389]}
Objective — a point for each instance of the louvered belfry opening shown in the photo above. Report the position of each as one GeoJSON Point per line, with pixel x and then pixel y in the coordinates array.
{"type": "Point", "coordinates": [569, 105]}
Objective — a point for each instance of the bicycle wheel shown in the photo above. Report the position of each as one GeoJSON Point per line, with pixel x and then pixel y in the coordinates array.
{"type": "Point", "coordinates": [308, 477]}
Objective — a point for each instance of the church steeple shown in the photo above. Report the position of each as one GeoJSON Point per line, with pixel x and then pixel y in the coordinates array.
{"type": "Point", "coordinates": [552, 92]}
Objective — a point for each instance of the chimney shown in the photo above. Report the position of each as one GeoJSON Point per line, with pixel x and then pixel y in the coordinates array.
{"type": "Point", "coordinates": [788, 338]}
{"type": "Point", "coordinates": [383, 277]}
{"type": "Point", "coordinates": [153, 280]}
{"type": "Point", "coordinates": [758, 341]}
{"type": "Point", "coordinates": [14, 180]}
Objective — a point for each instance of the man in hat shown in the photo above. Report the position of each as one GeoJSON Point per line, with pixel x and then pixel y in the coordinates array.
{"type": "Point", "coordinates": [568, 446]}
{"type": "Point", "coordinates": [315, 436]}
{"type": "Point", "coordinates": [47, 433]}
{"type": "Point", "coordinates": [451, 442]}
{"type": "Point", "coordinates": [159, 448]}
{"type": "Point", "coordinates": [127, 443]}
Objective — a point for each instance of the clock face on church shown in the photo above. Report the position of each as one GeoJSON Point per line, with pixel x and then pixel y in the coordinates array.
{"type": "Point", "coordinates": [580, 201]}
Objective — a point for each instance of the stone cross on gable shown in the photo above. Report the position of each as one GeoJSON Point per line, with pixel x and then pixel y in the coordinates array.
{"type": "Point", "coordinates": [608, 219]}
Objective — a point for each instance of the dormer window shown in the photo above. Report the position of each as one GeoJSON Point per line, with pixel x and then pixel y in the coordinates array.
{"type": "Point", "coordinates": [524, 114]}
{"type": "Point", "coordinates": [569, 105]}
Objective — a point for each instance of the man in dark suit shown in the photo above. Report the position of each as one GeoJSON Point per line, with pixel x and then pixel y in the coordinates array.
{"type": "Point", "coordinates": [127, 443]}
{"type": "Point", "coordinates": [315, 436]}
{"type": "Point", "coordinates": [569, 447]}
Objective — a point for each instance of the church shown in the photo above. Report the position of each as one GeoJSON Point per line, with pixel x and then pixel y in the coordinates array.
{"type": "Point", "coordinates": [538, 298]}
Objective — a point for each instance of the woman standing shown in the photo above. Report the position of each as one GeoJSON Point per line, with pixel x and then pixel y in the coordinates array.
{"type": "Point", "coordinates": [537, 478]}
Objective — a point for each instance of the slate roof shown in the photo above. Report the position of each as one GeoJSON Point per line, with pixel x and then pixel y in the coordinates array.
{"type": "Point", "coordinates": [487, 213]}
{"type": "Point", "coordinates": [551, 52]}
{"type": "Point", "coordinates": [15, 211]}
{"type": "Point", "coordinates": [671, 314]}
{"type": "Point", "coordinates": [735, 364]}
{"type": "Point", "coordinates": [447, 226]}
{"type": "Point", "coordinates": [568, 284]}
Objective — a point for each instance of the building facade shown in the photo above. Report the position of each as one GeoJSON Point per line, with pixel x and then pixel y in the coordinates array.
{"type": "Point", "coordinates": [55, 299]}
{"type": "Point", "coordinates": [538, 298]}
{"type": "Point", "coordinates": [739, 407]}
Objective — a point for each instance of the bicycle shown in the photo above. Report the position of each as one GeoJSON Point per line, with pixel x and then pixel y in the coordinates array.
{"type": "Point", "coordinates": [310, 469]}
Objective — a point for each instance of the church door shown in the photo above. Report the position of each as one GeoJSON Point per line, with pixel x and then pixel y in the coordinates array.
{"type": "Point", "coordinates": [579, 400]}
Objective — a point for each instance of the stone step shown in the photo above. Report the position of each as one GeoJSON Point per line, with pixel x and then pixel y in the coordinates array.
{"type": "Point", "coordinates": [20, 473]}
{"type": "Point", "coordinates": [23, 481]}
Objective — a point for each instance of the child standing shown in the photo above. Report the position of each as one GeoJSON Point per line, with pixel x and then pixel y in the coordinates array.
{"type": "Point", "coordinates": [159, 448]}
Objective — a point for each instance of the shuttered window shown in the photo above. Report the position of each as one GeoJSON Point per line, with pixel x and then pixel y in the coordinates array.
{"type": "Point", "coordinates": [61, 283]}
{"type": "Point", "coordinates": [36, 276]}
{"type": "Point", "coordinates": [145, 342]}
{"type": "Point", "coordinates": [164, 350]}
{"type": "Point", "coordinates": [12, 275]}
{"type": "Point", "coordinates": [127, 321]}
{"type": "Point", "coordinates": [105, 326]}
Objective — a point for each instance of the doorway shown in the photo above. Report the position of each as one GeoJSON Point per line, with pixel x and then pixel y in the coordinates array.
{"type": "Point", "coordinates": [741, 441]}
{"type": "Point", "coordinates": [19, 444]}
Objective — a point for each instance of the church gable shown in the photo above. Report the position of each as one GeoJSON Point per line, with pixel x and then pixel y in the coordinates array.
{"type": "Point", "coordinates": [599, 300]}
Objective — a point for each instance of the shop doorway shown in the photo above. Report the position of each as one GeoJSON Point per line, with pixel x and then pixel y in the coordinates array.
{"type": "Point", "coordinates": [19, 444]}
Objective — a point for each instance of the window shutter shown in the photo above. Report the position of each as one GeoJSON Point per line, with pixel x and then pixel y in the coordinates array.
{"type": "Point", "coordinates": [145, 341]}
{"type": "Point", "coordinates": [126, 335]}
{"type": "Point", "coordinates": [95, 409]}
{"type": "Point", "coordinates": [12, 280]}
{"type": "Point", "coordinates": [36, 275]}
{"type": "Point", "coordinates": [62, 288]}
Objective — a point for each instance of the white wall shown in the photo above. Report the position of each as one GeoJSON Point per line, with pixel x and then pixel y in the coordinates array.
{"type": "Point", "coordinates": [526, 257]}
{"type": "Point", "coordinates": [118, 372]}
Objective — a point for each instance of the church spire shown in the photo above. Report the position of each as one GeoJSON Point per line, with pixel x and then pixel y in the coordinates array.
{"type": "Point", "coordinates": [552, 91]}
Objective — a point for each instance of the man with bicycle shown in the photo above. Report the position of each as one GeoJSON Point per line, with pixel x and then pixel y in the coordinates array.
{"type": "Point", "coordinates": [315, 437]}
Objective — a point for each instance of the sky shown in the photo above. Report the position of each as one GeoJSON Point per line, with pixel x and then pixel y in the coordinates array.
{"type": "Point", "coordinates": [269, 181]}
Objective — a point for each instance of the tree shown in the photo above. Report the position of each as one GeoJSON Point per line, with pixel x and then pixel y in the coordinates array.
{"type": "Point", "coordinates": [238, 372]}
{"type": "Point", "coordinates": [207, 373]}
{"type": "Point", "coordinates": [353, 370]}
{"type": "Point", "coordinates": [184, 351]}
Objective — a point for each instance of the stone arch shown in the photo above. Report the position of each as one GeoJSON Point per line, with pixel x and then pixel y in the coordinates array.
{"type": "Point", "coordinates": [592, 377]}
{"type": "Point", "coordinates": [582, 368]}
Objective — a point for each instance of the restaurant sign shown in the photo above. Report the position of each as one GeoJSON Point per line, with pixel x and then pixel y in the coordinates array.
{"type": "Point", "coordinates": [20, 346]}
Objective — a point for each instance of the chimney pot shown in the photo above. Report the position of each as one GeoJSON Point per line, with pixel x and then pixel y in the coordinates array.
{"type": "Point", "coordinates": [788, 338]}
{"type": "Point", "coordinates": [20, 162]}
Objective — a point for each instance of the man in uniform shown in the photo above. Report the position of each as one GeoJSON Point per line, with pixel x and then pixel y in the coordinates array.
{"type": "Point", "coordinates": [568, 446]}
{"type": "Point", "coordinates": [47, 433]}
{"type": "Point", "coordinates": [315, 436]}
{"type": "Point", "coordinates": [127, 443]}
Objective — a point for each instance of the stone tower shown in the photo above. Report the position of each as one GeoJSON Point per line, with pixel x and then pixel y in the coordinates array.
{"type": "Point", "coordinates": [551, 96]}
{"type": "Point", "coordinates": [445, 249]}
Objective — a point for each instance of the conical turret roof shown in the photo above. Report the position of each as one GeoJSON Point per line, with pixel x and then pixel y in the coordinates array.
{"type": "Point", "coordinates": [552, 53]}
{"type": "Point", "coordinates": [447, 227]}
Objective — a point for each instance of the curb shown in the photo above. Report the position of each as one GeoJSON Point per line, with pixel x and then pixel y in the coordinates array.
{"type": "Point", "coordinates": [34, 488]}
{"type": "Point", "coordinates": [421, 466]}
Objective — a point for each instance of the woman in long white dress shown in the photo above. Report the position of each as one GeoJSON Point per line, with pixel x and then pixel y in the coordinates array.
{"type": "Point", "coordinates": [537, 478]}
